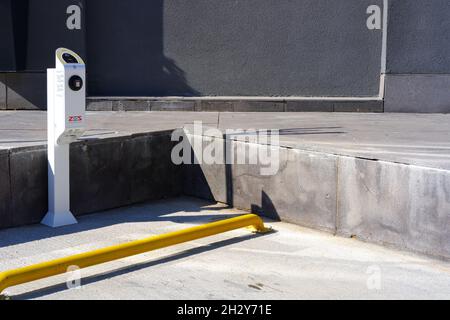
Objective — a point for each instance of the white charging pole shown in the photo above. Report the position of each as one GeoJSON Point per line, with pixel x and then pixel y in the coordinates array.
{"type": "Point", "coordinates": [65, 123]}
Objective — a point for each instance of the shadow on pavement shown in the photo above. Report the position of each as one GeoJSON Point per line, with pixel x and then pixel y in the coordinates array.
{"type": "Point", "coordinates": [158, 211]}
{"type": "Point", "coordinates": [136, 267]}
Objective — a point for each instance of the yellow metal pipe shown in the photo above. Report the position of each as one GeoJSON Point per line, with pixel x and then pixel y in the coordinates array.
{"type": "Point", "coordinates": [58, 266]}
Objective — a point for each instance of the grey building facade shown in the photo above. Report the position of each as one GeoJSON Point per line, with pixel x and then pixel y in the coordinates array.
{"type": "Point", "coordinates": [288, 55]}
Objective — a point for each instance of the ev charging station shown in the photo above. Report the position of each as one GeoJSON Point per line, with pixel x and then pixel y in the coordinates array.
{"type": "Point", "coordinates": [66, 101]}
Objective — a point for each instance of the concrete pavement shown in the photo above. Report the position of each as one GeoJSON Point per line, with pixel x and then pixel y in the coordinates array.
{"type": "Point", "coordinates": [418, 139]}
{"type": "Point", "coordinates": [292, 263]}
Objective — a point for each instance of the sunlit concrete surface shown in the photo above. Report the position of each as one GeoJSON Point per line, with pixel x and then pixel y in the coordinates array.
{"type": "Point", "coordinates": [291, 263]}
{"type": "Point", "coordinates": [417, 139]}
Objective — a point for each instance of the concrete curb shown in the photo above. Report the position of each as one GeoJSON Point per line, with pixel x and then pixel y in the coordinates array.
{"type": "Point", "coordinates": [234, 105]}
{"type": "Point", "coordinates": [105, 173]}
{"type": "Point", "coordinates": [394, 204]}
{"type": "Point", "coordinates": [399, 205]}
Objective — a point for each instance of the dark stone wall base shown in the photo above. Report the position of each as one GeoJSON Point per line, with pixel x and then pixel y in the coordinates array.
{"type": "Point", "coordinates": [148, 104]}
{"type": "Point", "coordinates": [418, 93]}
{"type": "Point", "coordinates": [105, 174]}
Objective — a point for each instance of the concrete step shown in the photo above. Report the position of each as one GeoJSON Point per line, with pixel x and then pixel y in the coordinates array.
{"type": "Point", "coordinates": [379, 177]}
{"type": "Point", "coordinates": [348, 192]}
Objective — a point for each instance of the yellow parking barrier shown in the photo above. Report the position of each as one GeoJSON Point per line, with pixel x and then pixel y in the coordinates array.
{"type": "Point", "coordinates": [58, 266]}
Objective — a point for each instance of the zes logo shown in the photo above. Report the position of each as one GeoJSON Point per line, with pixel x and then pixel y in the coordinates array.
{"type": "Point", "coordinates": [75, 119]}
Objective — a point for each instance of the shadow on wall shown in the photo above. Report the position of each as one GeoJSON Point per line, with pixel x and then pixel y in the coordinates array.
{"type": "Point", "coordinates": [267, 207]}
{"type": "Point", "coordinates": [195, 182]}
{"type": "Point", "coordinates": [125, 51]}
{"type": "Point", "coordinates": [13, 33]}
{"type": "Point", "coordinates": [26, 91]}
{"type": "Point", "coordinates": [124, 44]}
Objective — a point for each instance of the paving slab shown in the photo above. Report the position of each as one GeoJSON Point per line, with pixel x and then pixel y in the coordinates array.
{"type": "Point", "coordinates": [291, 263]}
{"type": "Point", "coordinates": [29, 128]}
{"type": "Point", "coordinates": [419, 139]}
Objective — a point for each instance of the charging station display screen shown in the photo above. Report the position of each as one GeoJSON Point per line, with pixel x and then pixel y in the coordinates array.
{"type": "Point", "coordinates": [68, 58]}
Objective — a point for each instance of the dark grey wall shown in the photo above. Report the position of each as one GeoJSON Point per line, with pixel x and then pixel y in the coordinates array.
{"type": "Point", "coordinates": [418, 56]}
{"type": "Point", "coordinates": [274, 47]}
{"type": "Point", "coordinates": [239, 47]}
{"type": "Point", "coordinates": [13, 34]}
{"type": "Point", "coordinates": [231, 47]}
{"type": "Point", "coordinates": [30, 32]}
{"type": "Point", "coordinates": [419, 36]}
{"type": "Point", "coordinates": [125, 49]}
{"type": "Point", "coordinates": [47, 32]}
{"type": "Point", "coordinates": [7, 50]}
{"type": "Point", "coordinates": [207, 47]}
